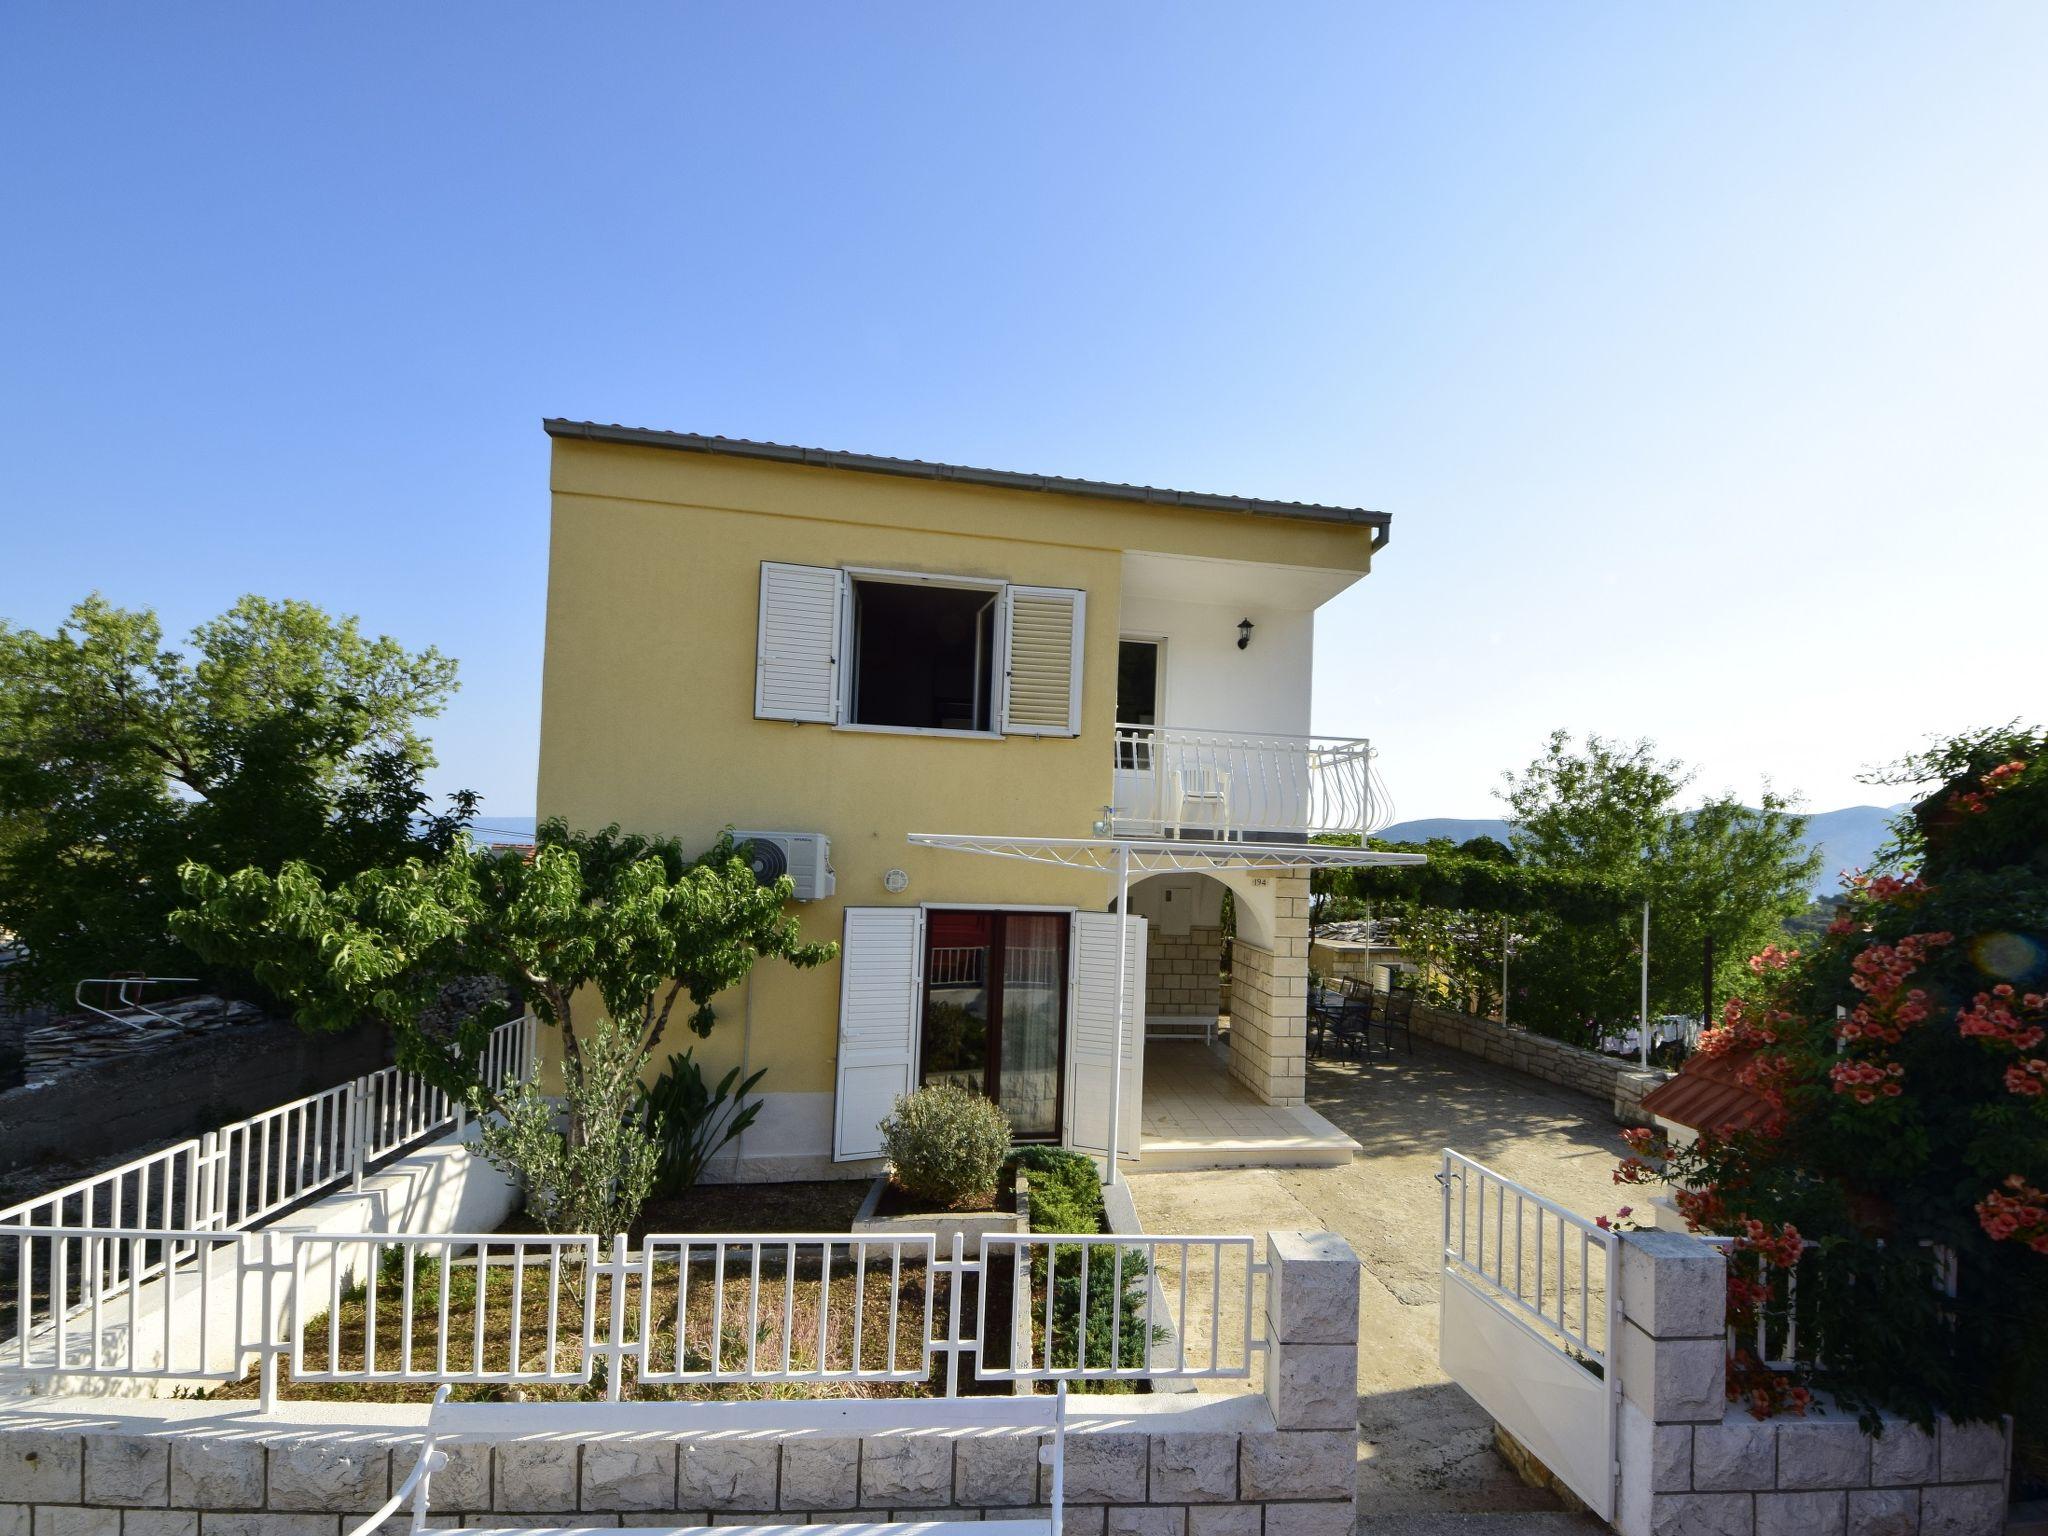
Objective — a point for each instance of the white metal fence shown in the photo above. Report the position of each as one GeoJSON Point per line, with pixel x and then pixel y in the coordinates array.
{"type": "Point", "coordinates": [1551, 1266]}
{"type": "Point", "coordinates": [581, 1312]}
{"type": "Point", "coordinates": [240, 1174]}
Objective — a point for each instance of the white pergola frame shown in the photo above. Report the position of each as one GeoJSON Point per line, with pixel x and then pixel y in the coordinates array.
{"type": "Point", "coordinates": [1121, 857]}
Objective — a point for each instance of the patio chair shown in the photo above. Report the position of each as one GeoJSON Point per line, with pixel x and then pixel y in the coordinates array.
{"type": "Point", "coordinates": [1396, 1012]}
{"type": "Point", "coordinates": [1349, 1026]}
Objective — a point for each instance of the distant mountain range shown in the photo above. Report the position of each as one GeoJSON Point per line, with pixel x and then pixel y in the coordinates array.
{"type": "Point", "coordinates": [1847, 839]}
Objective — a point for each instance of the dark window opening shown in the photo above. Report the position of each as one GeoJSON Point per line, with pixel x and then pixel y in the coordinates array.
{"type": "Point", "coordinates": [924, 656]}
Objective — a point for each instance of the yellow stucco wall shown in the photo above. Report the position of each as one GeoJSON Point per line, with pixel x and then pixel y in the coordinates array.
{"type": "Point", "coordinates": [648, 690]}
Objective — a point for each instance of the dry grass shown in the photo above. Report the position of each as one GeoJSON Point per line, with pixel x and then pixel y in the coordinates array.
{"type": "Point", "coordinates": [694, 1320]}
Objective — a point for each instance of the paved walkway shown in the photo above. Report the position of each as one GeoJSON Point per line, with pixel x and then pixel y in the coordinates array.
{"type": "Point", "coordinates": [1424, 1447]}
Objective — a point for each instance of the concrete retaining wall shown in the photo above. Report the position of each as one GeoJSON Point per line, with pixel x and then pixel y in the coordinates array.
{"type": "Point", "coordinates": [1616, 1083]}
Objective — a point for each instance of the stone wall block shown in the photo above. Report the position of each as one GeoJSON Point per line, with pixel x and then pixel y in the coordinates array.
{"type": "Point", "coordinates": [1734, 1455]}
{"type": "Point", "coordinates": [1082, 1520]}
{"type": "Point", "coordinates": [1225, 1519]}
{"type": "Point", "coordinates": [1102, 1468]}
{"type": "Point", "coordinates": [1904, 1455]}
{"type": "Point", "coordinates": [463, 1483]}
{"type": "Point", "coordinates": [1823, 1453]}
{"type": "Point", "coordinates": [324, 1475]}
{"type": "Point", "coordinates": [77, 1520]}
{"type": "Point", "coordinates": [217, 1524]}
{"type": "Point", "coordinates": [621, 1475]}
{"type": "Point", "coordinates": [821, 1473]}
{"type": "Point", "coordinates": [217, 1474]}
{"type": "Point", "coordinates": [1884, 1511]}
{"type": "Point", "coordinates": [1954, 1509]}
{"type": "Point", "coordinates": [1703, 1514]}
{"type": "Point", "coordinates": [1145, 1520]}
{"type": "Point", "coordinates": [727, 1474]}
{"type": "Point", "coordinates": [37, 1467]}
{"type": "Point", "coordinates": [1972, 1452]}
{"type": "Point", "coordinates": [1312, 1289]}
{"type": "Point", "coordinates": [127, 1469]}
{"type": "Point", "coordinates": [536, 1477]}
{"type": "Point", "coordinates": [1819, 1513]}
{"type": "Point", "coordinates": [914, 1471]}
{"type": "Point", "coordinates": [1313, 1386]}
{"type": "Point", "coordinates": [1666, 1449]}
{"type": "Point", "coordinates": [995, 1470]}
{"type": "Point", "coordinates": [164, 1522]}
{"type": "Point", "coordinates": [1195, 1469]}
{"type": "Point", "coordinates": [1673, 1286]}
{"type": "Point", "coordinates": [1674, 1381]}
{"type": "Point", "coordinates": [1331, 1519]}
{"type": "Point", "coordinates": [1299, 1464]}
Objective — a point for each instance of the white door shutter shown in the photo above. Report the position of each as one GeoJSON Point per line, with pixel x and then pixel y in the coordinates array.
{"type": "Point", "coordinates": [796, 650]}
{"type": "Point", "coordinates": [1042, 637]}
{"type": "Point", "coordinates": [880, 971]}
{"type": "Point", "coordinates": [1092, 1014]}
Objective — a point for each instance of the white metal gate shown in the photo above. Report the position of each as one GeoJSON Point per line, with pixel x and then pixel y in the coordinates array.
{"type": "Point", "coordinates": [1531, 1310]}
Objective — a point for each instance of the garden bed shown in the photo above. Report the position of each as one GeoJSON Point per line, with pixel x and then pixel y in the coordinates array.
{"type": "Point", "coordinates": [697, 1315]}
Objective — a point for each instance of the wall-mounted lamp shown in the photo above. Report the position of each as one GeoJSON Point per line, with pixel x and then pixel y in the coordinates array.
{"type": "Point", "coordinates": [1244, 633]}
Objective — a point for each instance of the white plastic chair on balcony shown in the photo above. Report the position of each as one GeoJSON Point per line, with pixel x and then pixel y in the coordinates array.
{"type": "Point", "coordinates": [1203, 788]}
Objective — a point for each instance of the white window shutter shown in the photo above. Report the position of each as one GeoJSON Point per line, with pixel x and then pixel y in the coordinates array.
{"type": "Point", "coordinates": [1043, 632]}
{"type": "Point", "coordinates": [880, 976]}
{"type": "Point", "coordinates": [796, 649]}
{"type": "Point", "coordinates": [1092, 1029]}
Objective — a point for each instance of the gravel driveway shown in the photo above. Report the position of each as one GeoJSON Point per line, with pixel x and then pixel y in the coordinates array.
{"type": "Point", "coordinates": [1424, 1447]}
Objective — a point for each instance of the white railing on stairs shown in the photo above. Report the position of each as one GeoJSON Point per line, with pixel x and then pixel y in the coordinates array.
{"type": "Point", "coordinates": [242, 1173]}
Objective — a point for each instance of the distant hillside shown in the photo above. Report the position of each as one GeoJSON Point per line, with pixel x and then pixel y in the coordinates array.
{"type": "Point", "coordinates": [1847, 839]}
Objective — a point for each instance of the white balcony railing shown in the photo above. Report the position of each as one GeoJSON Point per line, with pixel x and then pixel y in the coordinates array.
{"type": "Point", "coordinates": [1172, 782]}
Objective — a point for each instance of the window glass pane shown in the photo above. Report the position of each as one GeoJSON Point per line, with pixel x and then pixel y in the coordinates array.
{"type": "Point", "coordinates": [957, 999]}
{"type": "Point", "coordinates": [1034, 965]}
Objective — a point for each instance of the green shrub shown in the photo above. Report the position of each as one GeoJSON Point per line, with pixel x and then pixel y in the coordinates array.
{"type": "Point", "coordinates": [1066, 1196]}
{"type": "Point", "coordinates": [690, 1122]}
{"type": "Point", "coordinates": [945, 1144]}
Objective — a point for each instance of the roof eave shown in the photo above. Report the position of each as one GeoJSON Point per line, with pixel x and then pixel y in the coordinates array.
{"type": "Point", "coordinates": [1002, 479]}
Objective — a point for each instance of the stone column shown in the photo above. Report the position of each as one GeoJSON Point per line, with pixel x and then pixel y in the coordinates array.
{"type": "Point", "coordinates": [1673, 1359]}
{"type": "Point", "coordinates": [1269, 1001]}
{"type": "Point", "coordinates": [1311, 1387]}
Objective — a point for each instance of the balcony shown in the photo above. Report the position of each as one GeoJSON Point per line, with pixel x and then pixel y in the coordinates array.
{"type": "Point", "coordinates": [1225, 785]}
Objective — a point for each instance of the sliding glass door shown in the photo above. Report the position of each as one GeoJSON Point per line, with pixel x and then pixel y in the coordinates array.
{"type": "Point", "coordinates": [994, 1005]}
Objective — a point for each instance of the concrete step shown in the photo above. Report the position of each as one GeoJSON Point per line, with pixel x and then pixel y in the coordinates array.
{"type": "Point", "coordinates": [1159, 1156]}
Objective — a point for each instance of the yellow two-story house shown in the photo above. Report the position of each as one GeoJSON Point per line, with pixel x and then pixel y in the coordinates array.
{"type": "Point", "coordinates": [965, 710]}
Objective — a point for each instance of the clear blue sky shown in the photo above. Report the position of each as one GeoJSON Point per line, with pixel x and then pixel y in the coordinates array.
{"type": "Point", "coordinates": [1698, 352]}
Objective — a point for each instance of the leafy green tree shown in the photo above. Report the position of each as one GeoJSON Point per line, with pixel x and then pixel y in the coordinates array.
{"type": "Point", "coordinates": [626, 921]}
{"type": "Point", "coordinates": [1720, 871]}
{"type": "Point", "coordinates": [278, 733]}
{"type": "Point", "coordinates": [1596, 831]}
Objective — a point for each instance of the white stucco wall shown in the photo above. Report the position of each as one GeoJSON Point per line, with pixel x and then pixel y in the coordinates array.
{"type": "Point", "coordinates": [1210, 683]}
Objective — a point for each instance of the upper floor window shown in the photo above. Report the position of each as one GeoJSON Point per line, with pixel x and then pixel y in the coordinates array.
{"type": "Point", "coordinates": [924, 656]}
{"type": "Point", "coordinates": [895, 650]}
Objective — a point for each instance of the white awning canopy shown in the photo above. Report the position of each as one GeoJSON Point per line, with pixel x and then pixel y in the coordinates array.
{"type": "Point", "coordinates": [1151, 857]}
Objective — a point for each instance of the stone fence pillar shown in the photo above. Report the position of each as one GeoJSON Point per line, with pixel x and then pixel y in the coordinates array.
{"type": "Point", "coordinates": [1311, 1387]}
{"type": "Point", "coordinates": [1689, 1462]}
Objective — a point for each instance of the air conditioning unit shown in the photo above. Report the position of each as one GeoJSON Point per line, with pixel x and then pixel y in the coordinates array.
{"type": "Point", "coordinates": [806, 857]}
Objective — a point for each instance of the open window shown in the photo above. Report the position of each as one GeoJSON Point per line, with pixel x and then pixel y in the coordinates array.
{"type": "Point", "coordinates": [924, 655]}
{"type": "Point", "coordinates": [897, 651]}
